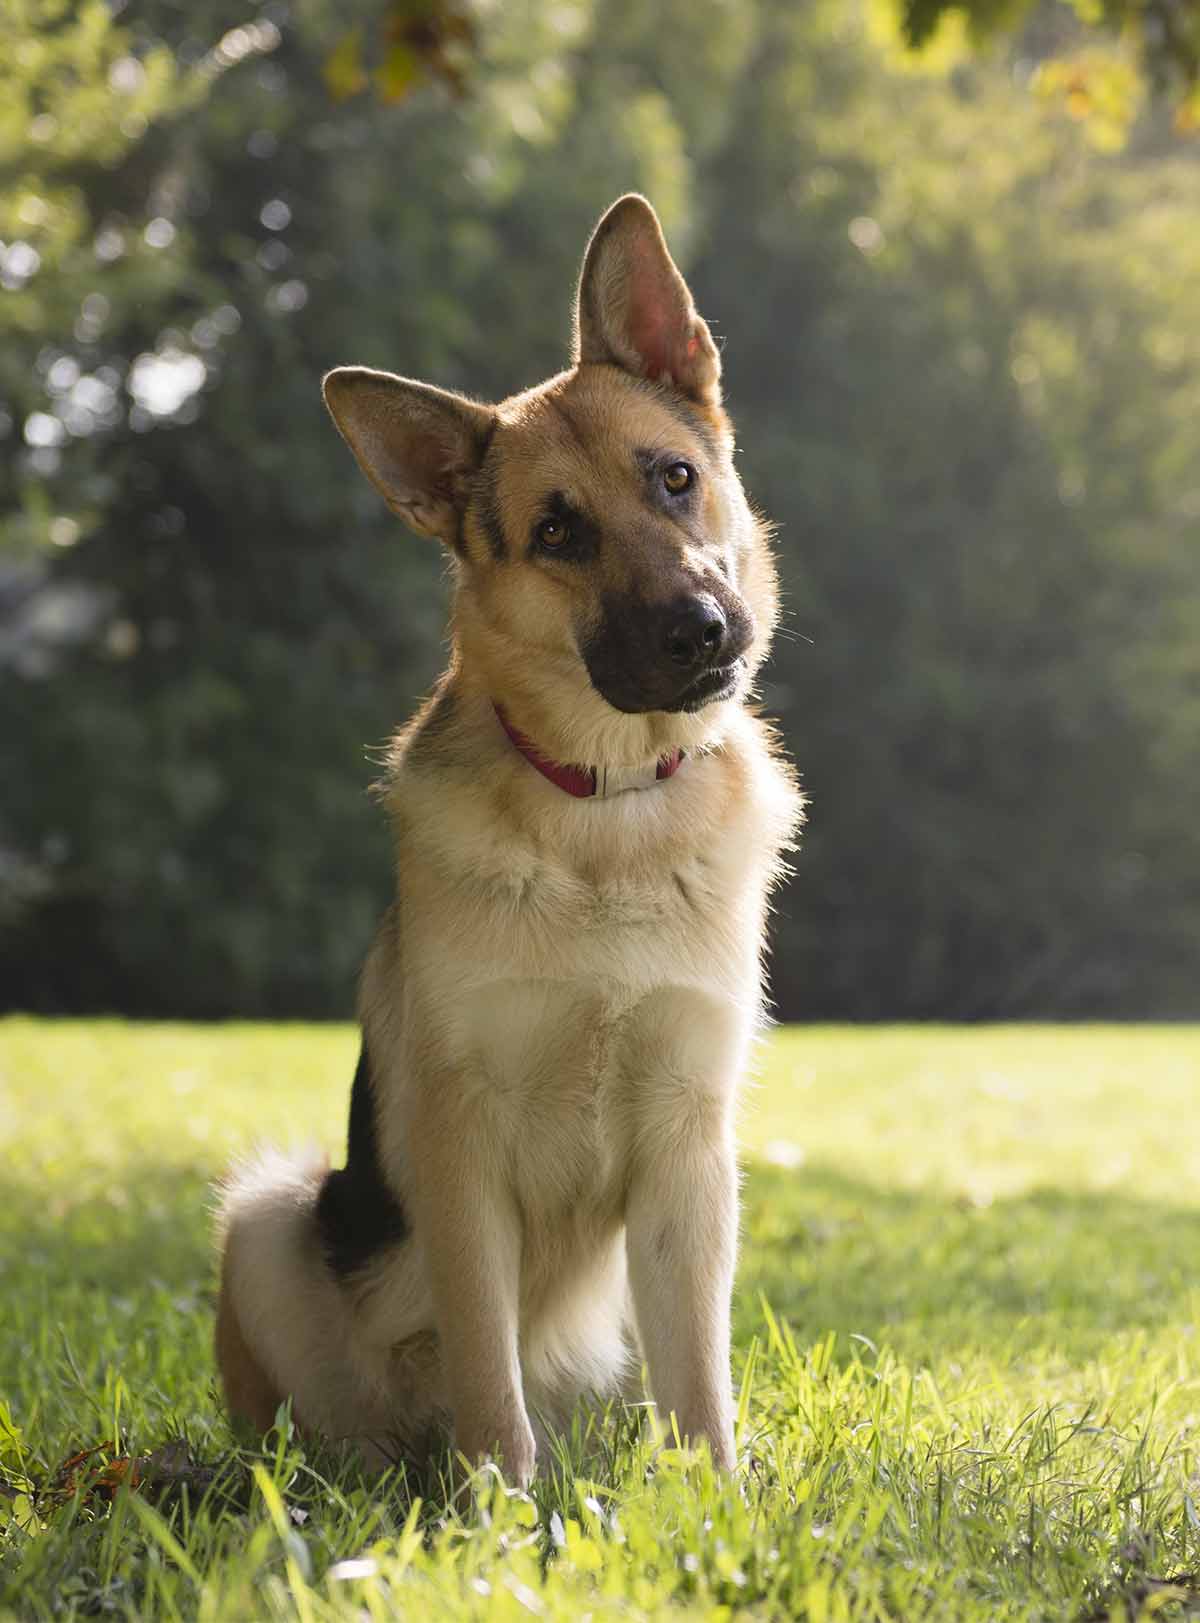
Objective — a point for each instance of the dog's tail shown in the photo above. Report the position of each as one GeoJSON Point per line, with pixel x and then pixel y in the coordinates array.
{"type": "Point", "coordinates": [281, 1318]}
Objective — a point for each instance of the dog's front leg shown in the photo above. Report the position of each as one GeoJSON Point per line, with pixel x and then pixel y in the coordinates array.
{"type": "Point", "coordinates": [470, 1228]}
{"type": "Point", "coordinates": [682, 1241]}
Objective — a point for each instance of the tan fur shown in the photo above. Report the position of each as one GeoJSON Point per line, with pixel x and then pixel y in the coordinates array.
{"type": "Point", "coordinates": [562, 1000]}
{"type": "Point", "coordinates": [249, 1390]}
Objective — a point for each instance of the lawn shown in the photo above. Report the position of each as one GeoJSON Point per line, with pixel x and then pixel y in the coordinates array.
{"type": "Point", "coordinates": [965, 1346]}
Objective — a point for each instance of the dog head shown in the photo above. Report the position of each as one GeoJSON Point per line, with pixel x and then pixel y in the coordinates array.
{"type": "Point", "coordinates": [615, 592]}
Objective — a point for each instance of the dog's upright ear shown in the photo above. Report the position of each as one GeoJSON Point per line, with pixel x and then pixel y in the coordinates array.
{"type": "Point", "coordinates": [635, 310]}
{"type": "Point", "coordinates": [419, 446]}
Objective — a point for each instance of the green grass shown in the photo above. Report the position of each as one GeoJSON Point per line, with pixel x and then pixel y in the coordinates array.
{"type": "Point", "coordinates": [973, 1394]}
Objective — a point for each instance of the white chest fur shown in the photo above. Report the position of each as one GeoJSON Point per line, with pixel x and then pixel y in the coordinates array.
{"type": "Point", "coordinates": [584, 974]}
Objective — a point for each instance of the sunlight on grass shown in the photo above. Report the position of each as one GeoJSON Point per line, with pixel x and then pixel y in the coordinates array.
{"type": "Point", "coordinates": [965, 1345]}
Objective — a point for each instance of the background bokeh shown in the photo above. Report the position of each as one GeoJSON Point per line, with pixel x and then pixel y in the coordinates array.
{"type": "Point", "coordinates": [962, 316]}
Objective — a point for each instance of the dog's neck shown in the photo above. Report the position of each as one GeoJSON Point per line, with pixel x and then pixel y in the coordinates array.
{"type": "Point", "coordinates": [585, 782]}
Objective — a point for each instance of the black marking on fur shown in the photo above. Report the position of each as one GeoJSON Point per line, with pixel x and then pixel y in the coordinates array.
{"type": "Point", "coordinates": [678, 505]}
{"type": "Point", "coordinates": [583, 542]}
{"type": "Point", "coordinates": [357, 1213]}
{"type": "Point", "coordinates": [484, 443]}
{"type": "Point", "coordinates": [626, 651]}
{"type": "Point", "coordinates": [686, 413]}
{"type": "Point", "coordinates": [485, 502]}
{"type": "Point", "coordinates": [692, 418]}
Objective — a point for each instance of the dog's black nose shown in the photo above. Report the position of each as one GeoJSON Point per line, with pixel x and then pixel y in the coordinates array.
{"type": "Point", "coordinates": [695, 632]}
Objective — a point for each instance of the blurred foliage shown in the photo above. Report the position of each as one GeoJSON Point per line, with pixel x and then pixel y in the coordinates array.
{"type": "Point", "coordinates": [1164, 34]}
{"type": "Point", "coordinates": [418, 40]}
{"type": "Point", "coordinates": [965, 371]}
{"type": "Point", "coordinates": [414, 40]}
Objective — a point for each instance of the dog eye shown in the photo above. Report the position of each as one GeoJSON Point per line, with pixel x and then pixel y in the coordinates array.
{"type": "Point", "coordinates": [678, 478]}
{"type": "Point", "coordinates": [552, 532]}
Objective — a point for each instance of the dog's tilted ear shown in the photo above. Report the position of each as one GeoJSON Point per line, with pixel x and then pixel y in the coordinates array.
{"type": "Point", "coordinates": [634, 309]}
{"type": "Point", "coordinates": [417, 445]}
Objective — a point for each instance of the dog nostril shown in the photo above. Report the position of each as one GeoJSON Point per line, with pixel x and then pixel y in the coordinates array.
{"type": "Point", "coordinates": [695, 635]}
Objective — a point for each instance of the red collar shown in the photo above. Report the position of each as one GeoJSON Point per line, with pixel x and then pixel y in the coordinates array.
{"type": "Point", "coordinates": [585, 781]}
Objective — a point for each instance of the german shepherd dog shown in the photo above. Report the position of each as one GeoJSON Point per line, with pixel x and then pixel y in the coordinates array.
{"type": "Point", "coordinates": [540, 1192]}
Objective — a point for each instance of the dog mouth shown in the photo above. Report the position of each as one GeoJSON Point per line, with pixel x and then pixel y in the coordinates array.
{"type": "Point", "coordinates": [637, 699]}
{"type": "Point", "coordinates": [718, 683]}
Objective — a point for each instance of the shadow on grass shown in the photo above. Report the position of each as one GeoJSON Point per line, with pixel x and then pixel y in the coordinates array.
{"type": "Point", "coordinates": [933, 1276]}
{"type": "Point", "coordinates": [144, 1228]}
{"type": "Point", "coordinates": [107, 1306]}
{"type": "Point", "coordinates": [124, 1269]}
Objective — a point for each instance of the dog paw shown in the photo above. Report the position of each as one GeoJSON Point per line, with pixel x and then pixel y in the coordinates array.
{"type": "Point", "coordinates": [513, 1451]}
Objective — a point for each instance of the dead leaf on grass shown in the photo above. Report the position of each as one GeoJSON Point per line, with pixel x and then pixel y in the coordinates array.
{"type": "Point", "coordinates": [98, 1473]}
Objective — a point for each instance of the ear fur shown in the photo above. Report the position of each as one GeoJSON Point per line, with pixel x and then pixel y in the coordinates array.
{"type": "Point", "coordinates": [417, 445]}
{"type": "Point", "coordinates": [634, 309]}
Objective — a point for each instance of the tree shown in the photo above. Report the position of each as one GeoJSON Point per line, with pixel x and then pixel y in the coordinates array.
{"type": "Point", "coordinates": [971, 408]}
{"type": "Point", "coordinates": [1164, 34]}
{"type": "Point", "coordinates": [405, 44]}
{"type": "Point", "coordinates": [210, 621]}
{"type": "Point", "coordinates": [963, 373]}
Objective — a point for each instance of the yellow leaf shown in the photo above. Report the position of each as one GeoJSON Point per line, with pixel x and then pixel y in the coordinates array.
{"type": "Point", "coordinates": [396, 73]}
{"type": "Point", "coordinates": [344, 74]}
